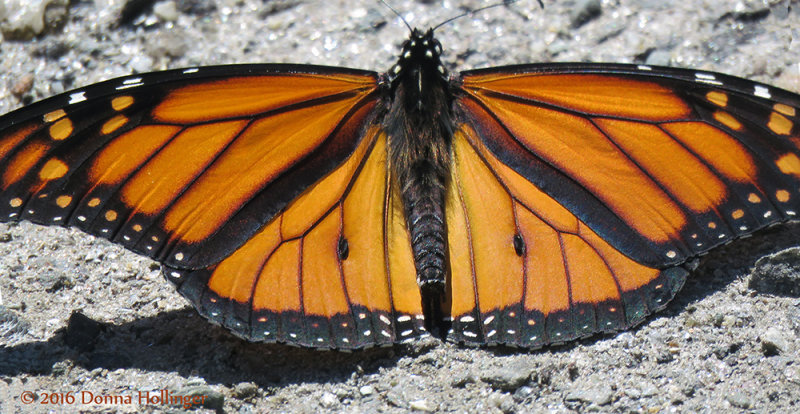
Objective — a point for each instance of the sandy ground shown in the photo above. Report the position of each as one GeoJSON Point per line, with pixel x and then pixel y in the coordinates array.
{"type": "Point", "coordinates": [718, 347]}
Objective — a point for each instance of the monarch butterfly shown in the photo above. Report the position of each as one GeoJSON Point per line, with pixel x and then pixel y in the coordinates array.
{"type": "Point", "coordinates": [331, 207]}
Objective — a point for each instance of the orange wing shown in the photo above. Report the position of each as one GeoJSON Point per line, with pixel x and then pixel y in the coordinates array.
{"type": "Point", "coordinates": [582, 192]}
{"type": "Point", "coordinates": [525, 270]}
{"type": "Point", "coordinates": [245, 181]}
{"type": "Point", "coordinates": [334, 270]}
{"type": "Point", "coordinates": [182, 166]}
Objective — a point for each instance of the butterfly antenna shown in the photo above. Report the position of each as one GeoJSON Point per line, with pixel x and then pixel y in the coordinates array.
{"type": "Point", "coordinates": [473, 12]}
{"type": "Point", "coordinates": [398, 15]}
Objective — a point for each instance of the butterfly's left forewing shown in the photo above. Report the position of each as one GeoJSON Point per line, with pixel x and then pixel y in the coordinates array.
{"type": "Point", "coordinates": [600, 181]}
{"type": "Point", "coordinates": [182, 166]}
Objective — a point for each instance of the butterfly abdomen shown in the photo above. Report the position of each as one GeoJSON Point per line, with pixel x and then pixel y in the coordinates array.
{"type": "Point", "coordinates": [423, 199]}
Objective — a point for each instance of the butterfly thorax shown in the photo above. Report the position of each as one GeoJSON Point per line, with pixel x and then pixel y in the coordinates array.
{"type": "Point", "coordinates": [419, 125]}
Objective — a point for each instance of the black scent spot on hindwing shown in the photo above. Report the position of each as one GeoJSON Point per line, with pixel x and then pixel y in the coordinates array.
{"type": "Point", "coordinates": [519, 245]}
{"type": "Point", "coordinates": [343, 249]}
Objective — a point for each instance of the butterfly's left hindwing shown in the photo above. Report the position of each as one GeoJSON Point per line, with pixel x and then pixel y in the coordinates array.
{"type": "Point", "coordinates": [334, 270]}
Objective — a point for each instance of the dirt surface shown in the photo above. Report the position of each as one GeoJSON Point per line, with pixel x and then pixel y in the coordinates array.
{"type": "Point", "coordinates": [720, 346]}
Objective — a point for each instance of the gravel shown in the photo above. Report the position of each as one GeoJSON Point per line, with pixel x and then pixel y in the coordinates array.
{"type": "Point", "coordinates": [777, 274]}
{"type": "Point", "coordinates": [720, 346]}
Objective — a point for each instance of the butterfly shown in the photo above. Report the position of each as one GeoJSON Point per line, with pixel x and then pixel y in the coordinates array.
{"type": "Point", "coordinates": [339, 208]}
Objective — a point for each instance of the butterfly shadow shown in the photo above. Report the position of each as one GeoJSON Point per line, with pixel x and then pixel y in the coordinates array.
{"type": "Point", "coordinates": [183, 342]}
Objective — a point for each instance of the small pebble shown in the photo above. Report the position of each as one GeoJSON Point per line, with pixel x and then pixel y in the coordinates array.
{"type": "Point", "coordinates": [585, 11]}
{"type": "Point", "coordinates": [739, 401]}
{"type": "Point", "coordinates": [503, 401]}
{"type": "Point", "coordinates": [420, 405]}
{"type": "Point", "coordinates": [664, 356]}
{"type": "Point", "coordinates": [23, 85]}
{"type": "Point", "coordinates": [328, 400]}
{"type": "Point", "coordinates": [12, 326]}
{"type": "Point", "coordinates": [141, 63]}
{"type": "Point", "coordinates": [649, 390]}
{"type": "Point", "coordinates": [773, 342]}
{"type": "Point", "coordinates": [659, 58]}
{"type": "Point", "coordinates": [633, 393]}
{"type": "Point", "coordinates": [367, 390]}
{"type": "Point", "coordinates": [25, 19]}
{"type": "Point", "coordinates": [729, 321]}
{"type": "Point", "coordinates": [523, 392]}
{"type": "Point", "coordinates": [509, 377]}
{"type": "Point", "coordinates": [461, 381]}
{"type": "Point", "coordinates": [166, 10]}
{"type": "Point", "coordinates": [210, 397]}
{"type": "Point", "coordinates": [598, 396]}
{"type": "Point", "coordinates": [777, 274]}
{"type": "Point", "coordinates": [61, 368]}
{"type": "Point", "coordinates": [245, 390]}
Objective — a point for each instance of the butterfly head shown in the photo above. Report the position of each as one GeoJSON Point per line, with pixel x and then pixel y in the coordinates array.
{"type": "Point", "coordinates": [421, 52]}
